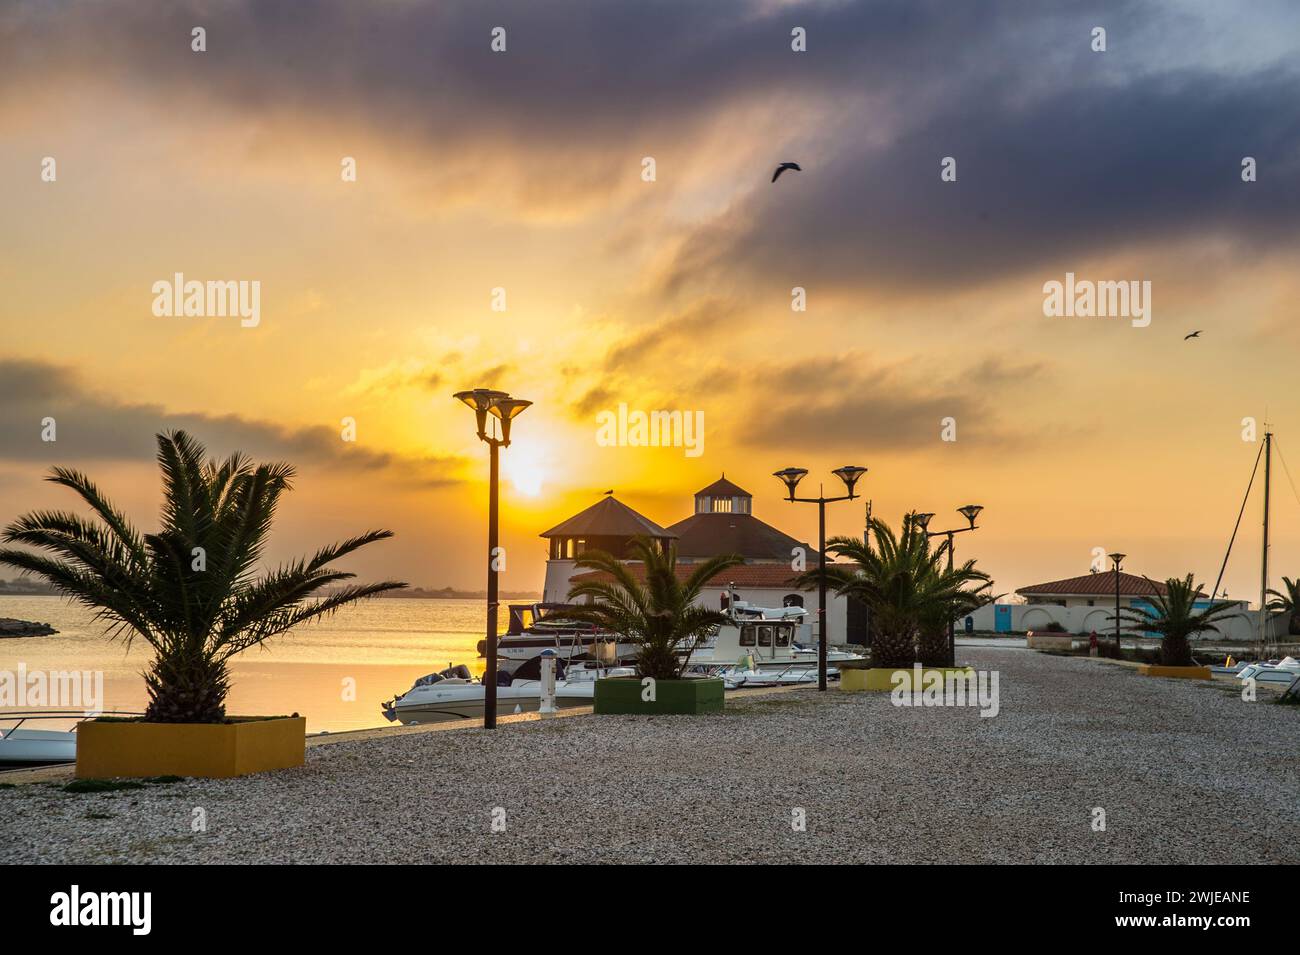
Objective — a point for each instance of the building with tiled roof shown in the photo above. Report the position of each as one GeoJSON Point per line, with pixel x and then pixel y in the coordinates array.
{"type": "Point", "coordinates": [607, 525]}
{"type": "Point", "coordinates": [1084, 591]}
{"type": "Point", "coordinates": [724, 523]}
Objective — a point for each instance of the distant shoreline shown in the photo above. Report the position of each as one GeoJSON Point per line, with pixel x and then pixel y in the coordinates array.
{"type": "Point", "coordinates": [13, 629]}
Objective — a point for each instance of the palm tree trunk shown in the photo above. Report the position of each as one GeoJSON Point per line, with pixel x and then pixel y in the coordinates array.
{"type": "Point", "coordinates": [186, 689]}
{"type": "Point", "coordinates": [932, 647]}
{"type": "Point", "coordinates": [892, 648]}
{"type": "Point", "coordinates": [1175, 651]}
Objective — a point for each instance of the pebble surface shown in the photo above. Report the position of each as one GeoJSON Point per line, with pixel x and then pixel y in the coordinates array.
{"type": "Point", "coordinates": [1185, 771]}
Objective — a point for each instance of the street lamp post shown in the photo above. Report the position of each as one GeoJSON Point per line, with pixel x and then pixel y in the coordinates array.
{"type": "Point", "coordinates": [504, 409]}
{"type": "Point", "coordinates": [792, 476]}
{"type": "Point", "coordinates": [970, 512]}
{"type": "Point", "coordinates": [1118, 559]}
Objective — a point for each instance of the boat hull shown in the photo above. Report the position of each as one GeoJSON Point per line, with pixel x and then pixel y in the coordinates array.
{"type": "Point", "coordinates": [23, 747]}
{"type": "Point", "coordinates": [466, 702]}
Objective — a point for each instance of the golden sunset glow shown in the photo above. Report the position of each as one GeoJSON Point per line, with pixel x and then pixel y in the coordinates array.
{"type": "Point", "coordinates": [377, 296]}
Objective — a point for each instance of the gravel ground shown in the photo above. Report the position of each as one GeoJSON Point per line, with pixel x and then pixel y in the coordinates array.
{"type": "Point", "coordinates": [1180, 768]}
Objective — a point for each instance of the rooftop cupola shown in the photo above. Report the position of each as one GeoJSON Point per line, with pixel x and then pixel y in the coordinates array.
{"type": "Point", "coordinates": [723, 497]}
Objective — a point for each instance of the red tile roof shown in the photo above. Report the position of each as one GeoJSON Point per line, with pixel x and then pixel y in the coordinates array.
{"type": "Point", "coordinates": [608, 517]}
{"type": "Point", "coordinates": [773, 576]}
{"type": "Point", "coordinates": [1093, 585]}
{"type": "Point", "coordinates": [704, 535]}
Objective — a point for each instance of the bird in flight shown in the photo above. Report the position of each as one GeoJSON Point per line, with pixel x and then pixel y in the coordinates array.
{"type": "Point", "coordinates": [783, 167]}
{"type": "Point", "coordinates": [1195, 334]}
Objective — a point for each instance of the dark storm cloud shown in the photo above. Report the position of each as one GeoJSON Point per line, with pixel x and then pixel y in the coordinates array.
{"type": "Point", "coordinates": [1040, 187]}
{"type": "Point", "coordinates": [90, 427]}
{"type": "Point", "coordinates": [1061, 151]}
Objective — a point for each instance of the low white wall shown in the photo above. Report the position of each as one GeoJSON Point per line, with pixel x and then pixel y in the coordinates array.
{"type": "Point", "coordinates": [1102, 619]}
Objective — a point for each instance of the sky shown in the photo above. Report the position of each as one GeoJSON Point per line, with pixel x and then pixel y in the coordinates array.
{"type": "Point", "coordinates": [502, 231]}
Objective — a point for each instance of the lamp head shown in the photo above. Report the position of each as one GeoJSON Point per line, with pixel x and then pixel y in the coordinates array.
{"type": "Point", "coordinates": [850, 474]}
{"type": "Point", "coordinates": [791, 477]}
{"type": "Point", "coordinates": [506, 410]}
{"type": "Point", "coordinates": [922, 519]}
{"type": "Point", "coordinates": [1118, 558]}
{"type": "Point", "coordinates": [970, 512]}
{"type": "Point", "coordinates": [480, 399]}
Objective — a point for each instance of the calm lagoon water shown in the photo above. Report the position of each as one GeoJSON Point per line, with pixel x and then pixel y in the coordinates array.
{"type": "Point", "coordinates": [382, 645]}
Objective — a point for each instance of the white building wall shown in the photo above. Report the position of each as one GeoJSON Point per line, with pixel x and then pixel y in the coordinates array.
{"type": "Point", "coordinates": [1085, 619]}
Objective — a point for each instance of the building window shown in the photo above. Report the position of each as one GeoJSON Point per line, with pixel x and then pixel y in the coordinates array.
{"type": "Point", "coordinates": [792, 600]}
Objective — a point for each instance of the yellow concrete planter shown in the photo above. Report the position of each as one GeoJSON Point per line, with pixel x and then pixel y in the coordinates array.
{"type": "Point", "coordinates": [108, 749]}
{"type": "Point", "coordinates": [882, 678]}
{"type": "Point", "coordinates": [1180, 673]}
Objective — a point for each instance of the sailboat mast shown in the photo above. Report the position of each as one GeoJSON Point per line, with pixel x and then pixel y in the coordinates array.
{"type": "Point", "coordinates": [1263, 583]}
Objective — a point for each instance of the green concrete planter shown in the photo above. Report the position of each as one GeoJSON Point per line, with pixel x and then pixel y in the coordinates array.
{"type": "Point", "coordinates": [683, 697]}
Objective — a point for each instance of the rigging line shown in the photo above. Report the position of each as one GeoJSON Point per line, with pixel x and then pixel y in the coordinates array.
{"type": "Point", "coordinates": [1282, 458]}
{"type": "Point", "coordinates": [1237, 526]}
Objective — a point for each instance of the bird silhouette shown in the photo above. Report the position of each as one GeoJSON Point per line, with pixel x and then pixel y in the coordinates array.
{"type": "Point", "coordinates": [1195, 334]}
{"type": "Point", "coordinates": [783, 167]}
{"type": "Point", "coordinates": [610, 491]}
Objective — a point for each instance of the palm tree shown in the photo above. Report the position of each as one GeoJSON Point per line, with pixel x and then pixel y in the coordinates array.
{"type": "Point", "coordinates": [910, 593]}
{"type": "Point", "coordinates": [189, 590]}
{"type": "Point", "coordinates": [1287, 603]}
{"type": "Point", "coordinates": [1176, 619]}
{"type": "Point", "coordinates": [659, 615]}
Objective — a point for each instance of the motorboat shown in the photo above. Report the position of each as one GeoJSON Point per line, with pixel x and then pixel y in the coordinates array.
{"type": "Point", "coordinates": [747, 674]}
{"type": "Point", "coordinates": [536, 627]}
{"type": "Point", "coordinates": [757, 645]}
{"type": "Point", "coordinates": [453, 694]}
{"type": "Point", "coordinates": [26, 747]}
{"type": "Point", "coordinates": [21, 745]}
{"type": "Point", "coordinates": [1285, 671]}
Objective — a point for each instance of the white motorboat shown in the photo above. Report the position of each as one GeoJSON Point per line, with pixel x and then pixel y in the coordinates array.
{"type": "Point", "coordinates": [1274, 671]}
{"type": "Point", "coordinates": [454, 694]}
{"type": "Point", "coordinates": [536, 627]}
{"type": "Point", "coordinates": [756, 646]}
{"type": "Point", "coordinates": [22, 746]}
{"type": "Point", "coordinates": [746, 673]}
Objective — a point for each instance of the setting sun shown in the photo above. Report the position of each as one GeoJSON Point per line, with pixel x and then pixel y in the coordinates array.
{"type": "Point", "coordinates": [525, 465]}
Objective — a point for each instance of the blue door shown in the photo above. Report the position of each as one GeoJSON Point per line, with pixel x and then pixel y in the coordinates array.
{"type": "Point", "coordinates": [1002, 618]}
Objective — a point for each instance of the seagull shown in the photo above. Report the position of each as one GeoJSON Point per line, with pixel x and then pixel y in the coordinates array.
{"type": "Point", "coordinates": [610, 491]}
{"type": "Point", "coordinates": [1195, 334]}
{"type": "Point", "coordinates": [783, 167]}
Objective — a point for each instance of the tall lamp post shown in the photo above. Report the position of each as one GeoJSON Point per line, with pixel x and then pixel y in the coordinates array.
{"type": "Point", "coordinates": [504, 409]}
{"type": "Point", "coordinates": [792, 476]}
{"type": "Point", "coordinates": [970, 512]}
{"type": "Point", "coordinates": [1118, 559]}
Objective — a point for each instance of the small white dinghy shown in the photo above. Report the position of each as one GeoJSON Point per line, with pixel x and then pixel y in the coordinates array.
{"type": "Point", "coordinates": [454, 694]}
